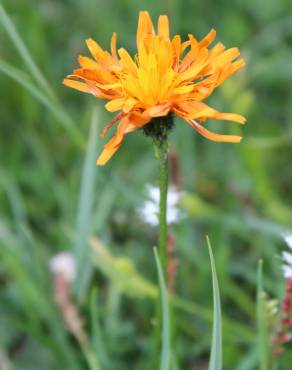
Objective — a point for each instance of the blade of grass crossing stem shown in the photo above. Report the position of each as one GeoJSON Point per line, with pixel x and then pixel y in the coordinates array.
{"type": "Point", "coordinates": [165, 340]}
{"type": "Point", "coordinates": [262, 322]}
{"type": "Point", "coordinates": [24, 53]}
{"type": "Point", "coordinates": [82, 251]}
{"type": "Point", "coordinates": [216, 361]}
{"type": "Point", "coordinates": [58, 112]}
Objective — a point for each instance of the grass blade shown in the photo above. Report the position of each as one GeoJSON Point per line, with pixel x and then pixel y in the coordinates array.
{"type": "Point", "coordinates": [82, 251]}
{"type": "Point", "coordinates": [216, 361]}
{"type": "Point", "coordinates": [166, 346]}
{"type": "Point", "coordinates": [262, 321]}
{"type": "Point", "coordinates": [133, 284]}
{"type": "Point", "coordinates": [98, 342]}
{"type": "Point", "coordinates": [60, 115]}
{"type": "Point", "coordinates": [24, 53]}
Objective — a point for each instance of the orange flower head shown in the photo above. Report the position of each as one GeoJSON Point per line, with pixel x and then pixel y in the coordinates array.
{"type": "Point", "coordinates": [165, 76]}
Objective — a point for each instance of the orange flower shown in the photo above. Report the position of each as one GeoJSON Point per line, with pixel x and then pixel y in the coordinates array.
{"type": "Point", "coordinates": [165, 76]}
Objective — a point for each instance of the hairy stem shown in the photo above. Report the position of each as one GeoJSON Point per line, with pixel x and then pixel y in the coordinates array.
{"type": "Point", "coordinates": [158, 130]}
{"type": "Point", "coordinates": [162, 155]}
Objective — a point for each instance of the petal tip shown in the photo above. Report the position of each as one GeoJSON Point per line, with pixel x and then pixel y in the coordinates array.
{"type": "Point", "coordinates": [100, 162]}
{"type": "Point", "coordinates": [88, 41]}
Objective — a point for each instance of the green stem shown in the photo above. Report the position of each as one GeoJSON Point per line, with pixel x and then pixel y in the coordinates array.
{"type": "Point", "coordinates": [162, 156]}
{"type": "Point", "coordinates": [158, 130]}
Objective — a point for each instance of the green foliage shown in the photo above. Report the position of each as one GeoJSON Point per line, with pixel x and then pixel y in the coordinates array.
{"type": "Point", "coordinates": [84, 213]}
{"type": "Point", "coordinates": [54, 198]}
{"type": "Point", "coordinates": [165, 325]}
{"type": "Point", "coordinates": [216, 361]}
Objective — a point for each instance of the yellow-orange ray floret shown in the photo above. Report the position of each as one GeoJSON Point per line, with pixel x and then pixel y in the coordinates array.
{"type": "Point", "coordinates": [166, 75]}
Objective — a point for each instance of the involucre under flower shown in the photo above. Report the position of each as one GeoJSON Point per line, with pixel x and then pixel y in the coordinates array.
{"type": "Point", "coordinates": [165, 76]}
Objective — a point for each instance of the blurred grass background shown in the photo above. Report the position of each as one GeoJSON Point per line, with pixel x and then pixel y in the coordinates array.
{"type": "Point", "coordinates": [53, 197]}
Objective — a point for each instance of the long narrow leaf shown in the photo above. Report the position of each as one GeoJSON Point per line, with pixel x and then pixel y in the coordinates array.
{"type": "Point", "coordinates": [24, 52]}
{"type": "Point", "coordinates": [82, 251]}
{"type": "Point", "coordinates": [216, 361]}
{"type": "Point", "coordinates": [60, 115]}
{"type": "Point", "coordinates": [98, 343]}
{"type": "Point", "coordinates": [136, 285]}
{"type": "Point", "coordinates": [166, 346]}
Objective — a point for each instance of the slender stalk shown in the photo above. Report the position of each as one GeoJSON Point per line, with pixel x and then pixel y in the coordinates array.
{"type": "Point", "coordinates": [164, 310]}
{"type": "Point", "coordinates": [162, 156]}
{"type": "Point", "coordinates": [158, 130]}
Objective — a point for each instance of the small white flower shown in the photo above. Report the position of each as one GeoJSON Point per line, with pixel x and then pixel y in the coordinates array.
{"type": "Point", "coordinates": [287, 257]}
{"type": "Point", "coordinates": [150, 210]}
{"type": "Point", "coordinates": [288, 239]}
{"type": "Point", "coordinates": [287, 270]}
{"type": "Point", "coordinates": [63, 263]}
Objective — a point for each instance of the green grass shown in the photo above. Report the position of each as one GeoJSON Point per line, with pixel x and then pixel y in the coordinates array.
{"type": "Point", "coordinates": [54, 198]}
{"type": "Point", "coordinates": [216, 361]}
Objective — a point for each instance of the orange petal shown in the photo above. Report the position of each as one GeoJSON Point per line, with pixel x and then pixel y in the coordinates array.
{"type": "Point", "coordinates": [212, 135]}
{"type": "Point", "coordinates": [229, 117]}
{"type": "Point", "coordinates": [145, 26]}
{"type": "Point", "coordinates": [209, 112]}
{"type": "Point", "coordinates": [139, 119]}
{"type": "Point", "coordinates": [190, 109]}
{"type": "Point", "coordinates": [202, 89]}
{"type": "Point", "coordinates": [185, 45]}
{"type": "Point", "coordinates": [192, 54]}
{"type": "Point", "coordinates": [129, 104]}
{"type": "Point", "coordinates": [198, 110]}
{"type": "Point", "coordinates": [163, 26]}
{"type": "Point", "coordinates": [230, 70]}
{"type": "Point", "coordinates": [127, 61]}
{"type": "Point", "coordinates": [158, 110]}
{"type": "Point", "coordinates": [94, 48]}
{"type": "Point", "coordinates": [183, 89]}
{"type": "Point", "coordinates": [81, 86]}
{"type": "Point", "coordinates": [116, 141]}
{"type": "Point", "coordinates": [96, 75]}
{"type": "Point", "coordinates": [106, 156]}
{"type": "Point", "coordinates": [86, 62]}
{"type": "Point", "coordinates": [92, 89]}
{"type": "Point", "coordinates": [216, 50]}
{"type": "Point", "coordinates": [226, 57]}
{"type": "Point", "coordinates": [114, 105]}
{"type": "Point", "coordinates": [176, 44]}
{"type": "Point", "coordinates": [114, 45]}
{"type": "Point", "coordinates": [97, 92]}
{"type": "Point", "coordinates": [206, 41]}
{"type": "Point", "coordinates": [192, 71]}
{"type": "Point", "coordinates": [113, 145]}
{"type": "Point", "coordinates": [111, 123]}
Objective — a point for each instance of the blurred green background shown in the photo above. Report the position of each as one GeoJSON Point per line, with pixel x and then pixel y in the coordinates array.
{"type": "Point", "coordinates": [53, 197]}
